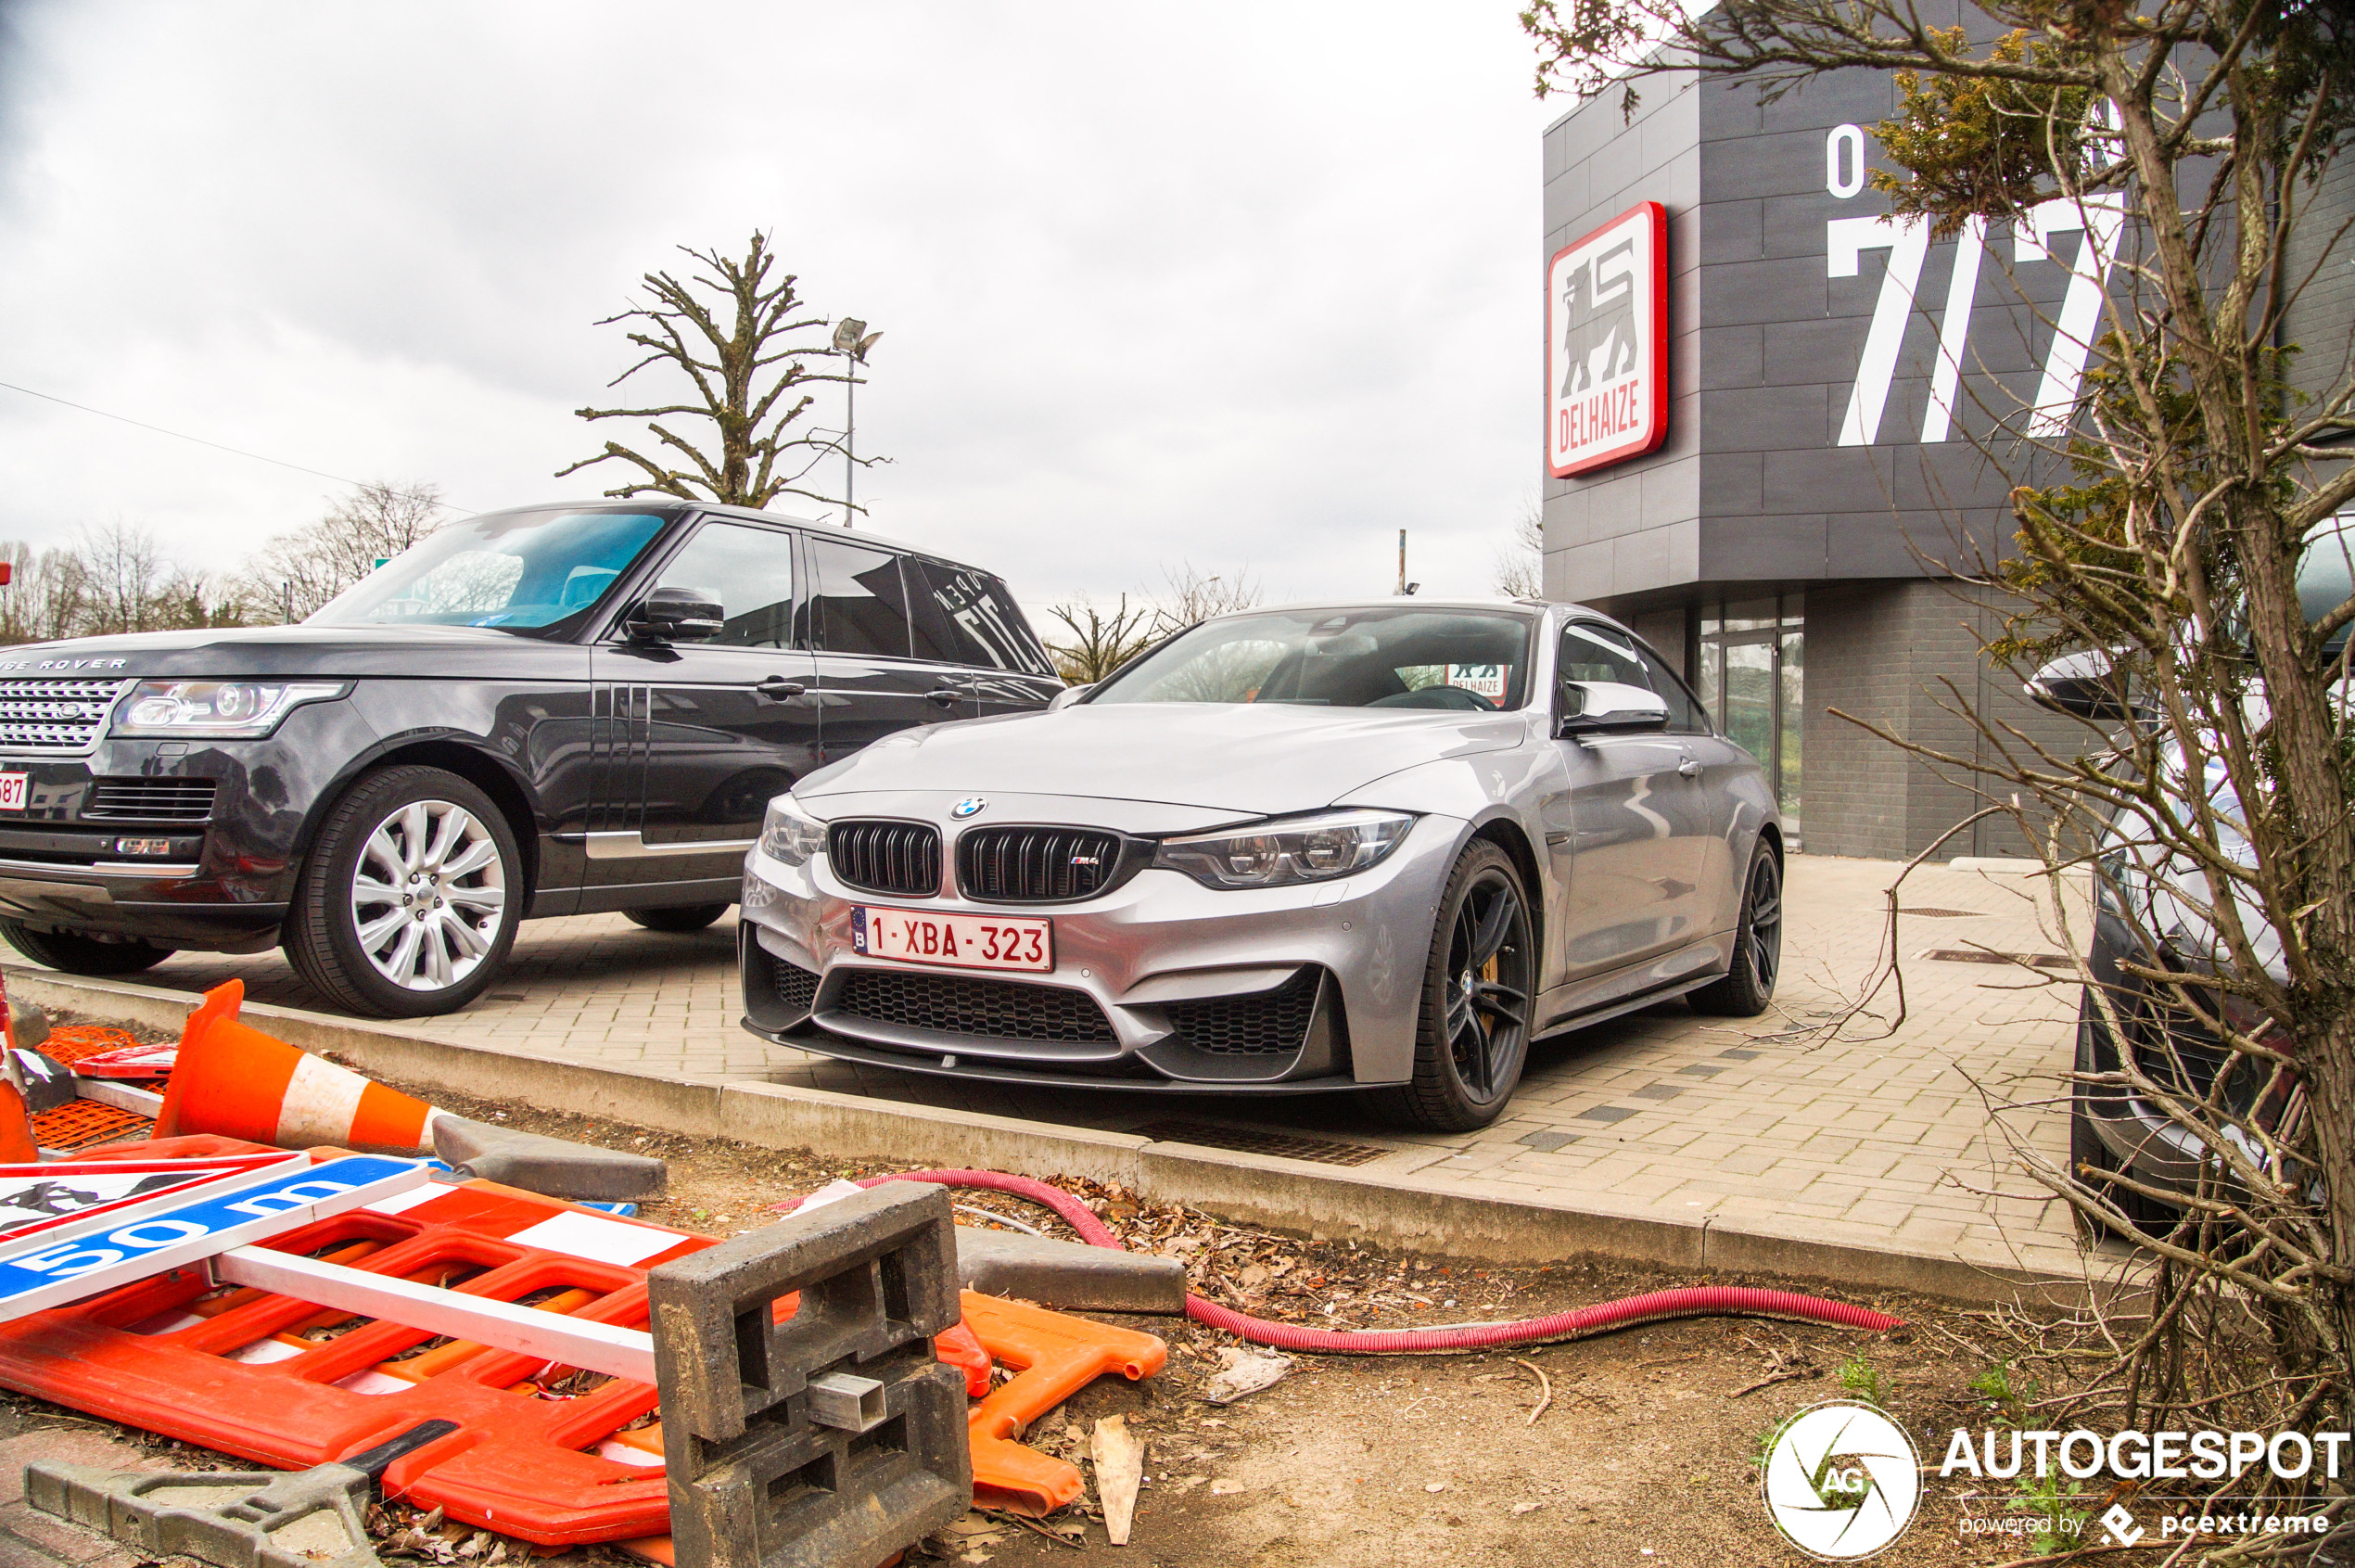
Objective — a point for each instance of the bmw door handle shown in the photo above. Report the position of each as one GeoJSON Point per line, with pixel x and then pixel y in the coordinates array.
{"type": "Point", "coordinates": [778, 689]}
{"type": "Point", "coordinates": [1689, 767]}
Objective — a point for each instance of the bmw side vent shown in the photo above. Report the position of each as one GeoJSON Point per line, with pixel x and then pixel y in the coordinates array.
{"type": "Point", "coordinates": [796, 988]}
{"type": "Point", "coordinates": [900, 858]}
{"type": "Point", "coordinates": [1264, 1024]}
{"type": "Point", "coordinates": [1035, 866]}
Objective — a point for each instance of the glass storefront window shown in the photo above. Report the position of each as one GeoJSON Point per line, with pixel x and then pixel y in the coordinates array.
{"type": "Point", "coordinates": [1749, 668]}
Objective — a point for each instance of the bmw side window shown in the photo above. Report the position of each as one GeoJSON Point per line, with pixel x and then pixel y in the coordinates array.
{"type": "Point", "coordinates": [858, 604]}
{"type": "Point", "coordinates": [1590, 653]}
{"type": "Point", "coordinates": [749, 571]}
{"type": "Point", "coordinates": [1686, 714]}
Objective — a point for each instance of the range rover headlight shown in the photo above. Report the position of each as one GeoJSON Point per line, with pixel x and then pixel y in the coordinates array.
{"type": "Point", "coordinates": [1296, 850]}
{"type": "Point", "coordinates": [225, 709]}
{"type": "Point", "coordinates": [789, 833]}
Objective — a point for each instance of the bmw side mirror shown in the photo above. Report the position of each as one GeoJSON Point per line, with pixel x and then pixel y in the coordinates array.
{"type": "Point", "coordinates": [1068, 695]}
{"type": "Point", "coordinates": [2083, 686]}
{"type": "Point", "coordinates": [676, 614]}
{"type": "Point", "coordinates": [1607, 708]}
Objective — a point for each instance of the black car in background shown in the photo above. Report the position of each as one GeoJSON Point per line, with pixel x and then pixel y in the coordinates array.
{"type": "Point", "coordinates": [547, 711]}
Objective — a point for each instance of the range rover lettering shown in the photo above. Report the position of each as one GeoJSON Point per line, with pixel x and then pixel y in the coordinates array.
{"type": "Point", "coordinates": [546, 711]}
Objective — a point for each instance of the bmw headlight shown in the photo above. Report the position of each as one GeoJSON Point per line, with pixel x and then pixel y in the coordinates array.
{"type": "Point", "coordinates": [789, 833]}
{"type": "Point", "coordinates": [224, 709]}
{"type": "Point", "coordinates": [1298, 849]}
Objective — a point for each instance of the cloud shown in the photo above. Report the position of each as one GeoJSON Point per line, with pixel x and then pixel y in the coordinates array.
{"type": "Point", "coordinates": [1235, 284]}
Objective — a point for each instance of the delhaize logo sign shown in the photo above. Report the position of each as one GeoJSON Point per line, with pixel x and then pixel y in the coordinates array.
{"type": "Point", "coordinates": [1607, 343]}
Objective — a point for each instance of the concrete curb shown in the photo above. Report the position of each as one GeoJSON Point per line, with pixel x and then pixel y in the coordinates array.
{"type": "Point", "coordinates": [1280, 1195]}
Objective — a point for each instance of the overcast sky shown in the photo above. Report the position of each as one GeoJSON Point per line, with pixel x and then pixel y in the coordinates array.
{"type": "Point", "coordinates": [1249, 285]}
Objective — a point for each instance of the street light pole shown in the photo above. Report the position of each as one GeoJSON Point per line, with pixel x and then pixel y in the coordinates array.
{"type": "Point", "coordinates": [851, 341]}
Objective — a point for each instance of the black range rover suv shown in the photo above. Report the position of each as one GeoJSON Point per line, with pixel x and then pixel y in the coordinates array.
{"type": "Point", "coordinates": [548, 711]}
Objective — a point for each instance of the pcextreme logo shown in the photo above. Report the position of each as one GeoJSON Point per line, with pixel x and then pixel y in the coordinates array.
{"type": "Point", "coordinates": [1841, 1481]}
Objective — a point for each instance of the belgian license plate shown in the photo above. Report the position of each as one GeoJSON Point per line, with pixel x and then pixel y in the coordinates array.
{"type": "Point", "coordinates": [961, 941]}
{"type": "Point", "coordinates": [13, 787]}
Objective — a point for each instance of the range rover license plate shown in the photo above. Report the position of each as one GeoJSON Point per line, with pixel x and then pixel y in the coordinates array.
{"type": "Point", "coordinates": [957, 941]}
{"type": "Point", "coordinates": [12, 791]}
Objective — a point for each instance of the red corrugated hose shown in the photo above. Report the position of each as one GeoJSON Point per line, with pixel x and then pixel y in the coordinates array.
{"type": "Point", "coordinates": [1698, 1301]}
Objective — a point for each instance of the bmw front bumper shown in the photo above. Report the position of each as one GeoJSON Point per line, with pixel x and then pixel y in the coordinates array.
{"type": "Point", "coordinates": [1160, 983]}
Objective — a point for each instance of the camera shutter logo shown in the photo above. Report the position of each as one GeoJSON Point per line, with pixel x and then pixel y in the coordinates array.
{"type": "Point", "coordinates": [1841, 1481]}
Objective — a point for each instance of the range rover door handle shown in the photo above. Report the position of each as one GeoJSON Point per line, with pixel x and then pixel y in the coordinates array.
{"type": "Point", "coordinates": [776, 688]}
{"type": "Point", "coordinates": [1689, 767]}
{"type": "Point", "coordinates": [947, 696]}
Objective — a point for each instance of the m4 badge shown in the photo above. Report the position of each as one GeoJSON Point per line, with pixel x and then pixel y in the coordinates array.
{"type": "Point", "coordinates": [1607, 343]}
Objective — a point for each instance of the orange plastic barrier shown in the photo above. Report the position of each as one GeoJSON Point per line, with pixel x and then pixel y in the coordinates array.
{"type": "Point", "coordinates": [1058, 1355]}
{"type": "Point", "coordinates": [79, 1124]}
{"type": "Point", "coordinates": [241, 1083]}
{"type": "Point", "coordinates": [72, 1043]}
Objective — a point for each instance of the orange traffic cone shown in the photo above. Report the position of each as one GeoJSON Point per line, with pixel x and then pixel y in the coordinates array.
{"type": "Point", "coordinates": [239, 1082]}
{"type": "Point", "coordinates": [16, 1143]}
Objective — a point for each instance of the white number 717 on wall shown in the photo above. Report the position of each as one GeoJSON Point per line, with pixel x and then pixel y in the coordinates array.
{"type": "Point", "coordinates": [1907, 241]}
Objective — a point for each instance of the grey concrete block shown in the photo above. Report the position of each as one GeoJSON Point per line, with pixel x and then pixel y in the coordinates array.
{"type": "Point", "coordinates": [755, 1480]}
{"type": "Point", "coordinates": [1070, 1275]}
{"type": "Point", "coordinates": [237, 1519]}
{"type": "Point", "coordinates": [556, 1167]}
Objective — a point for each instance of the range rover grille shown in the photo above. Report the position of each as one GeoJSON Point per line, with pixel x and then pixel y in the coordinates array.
{"type": "Point", "coordinates": [1034, 865]}
{"type": "Point", "coordinates": [901, 858]}
{"type": "Point", "coordinates": [1264, 1024]}
{"type": "Point", "coordinates": [992, 1009]}
{"type": "Point", "coordinates": [151, 800]}
{"type": "Point", "coordinates": [55, 717]}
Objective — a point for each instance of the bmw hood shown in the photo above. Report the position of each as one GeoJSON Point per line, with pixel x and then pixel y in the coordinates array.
{"type": "Point", "coordinates": [1249, 759]}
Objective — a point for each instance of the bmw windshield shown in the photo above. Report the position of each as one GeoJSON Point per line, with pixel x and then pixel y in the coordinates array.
{"type": "Point", "coordinates": [538, 574]}
{"type": "Point", "coordinates": [1461, 660]}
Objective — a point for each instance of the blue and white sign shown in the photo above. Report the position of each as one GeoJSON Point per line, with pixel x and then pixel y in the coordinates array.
{"type": "Point", "coordinates": [37, 1277]}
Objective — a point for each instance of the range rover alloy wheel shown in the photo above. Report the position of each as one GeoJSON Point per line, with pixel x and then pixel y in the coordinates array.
{"type": "Point", "coordinates": [409, 901]}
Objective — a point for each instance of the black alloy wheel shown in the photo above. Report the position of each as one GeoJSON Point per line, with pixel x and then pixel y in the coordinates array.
{"type": "Point", "coordinates": [1749, 985]}
{"type": "Point", "coordinates": [1472, 1038]}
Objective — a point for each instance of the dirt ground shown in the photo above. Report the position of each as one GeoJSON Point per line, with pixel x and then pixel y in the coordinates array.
{"type": "Point", "coordinates": [1644, 1455]}
{"type": "Point", "coordinates": [1642, 1448]}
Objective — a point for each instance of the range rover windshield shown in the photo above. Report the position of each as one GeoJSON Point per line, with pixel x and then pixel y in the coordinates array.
{"type": "Point", "coordinates": [538, 574]}
{"type": "Point", "coordinates": [1467, 662]}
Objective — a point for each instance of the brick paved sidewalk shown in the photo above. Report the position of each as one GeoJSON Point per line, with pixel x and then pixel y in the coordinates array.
{"type": "Point", "coordinates": [1865, 1141]}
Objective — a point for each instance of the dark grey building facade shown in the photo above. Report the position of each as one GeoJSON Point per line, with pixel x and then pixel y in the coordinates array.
{"type": "Point", "coordinates": [1846, 394]}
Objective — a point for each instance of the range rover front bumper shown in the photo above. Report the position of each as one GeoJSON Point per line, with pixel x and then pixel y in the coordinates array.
{"type": "Point", "coordinates": [1159, 984]}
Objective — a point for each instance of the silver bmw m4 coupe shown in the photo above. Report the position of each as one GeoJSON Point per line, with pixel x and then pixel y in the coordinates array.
{"type": "Point", "coordinates": [1377, 847]}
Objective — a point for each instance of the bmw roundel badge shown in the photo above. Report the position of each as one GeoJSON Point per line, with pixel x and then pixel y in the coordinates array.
{"type": "Point", "coordinates": [972, 806]}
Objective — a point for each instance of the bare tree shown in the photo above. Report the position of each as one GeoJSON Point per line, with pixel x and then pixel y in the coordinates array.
{"type": "Point", "coordinates": [2164, 520]}
{"type": "Point", "coordinates": [294, 574]}
{"type": "Point", "coordinates": [1521, 565]}
{"type": "Point", "coordinates": [1098, 643]}
{"type": "Point", "coordinates": [750, 379]}
{"type": "Point", "coordinates": [113, 579]}
{"type": "Point", "coordinates": [1189, 595]}
{"type": "Point", "coordinates": [47, 596]}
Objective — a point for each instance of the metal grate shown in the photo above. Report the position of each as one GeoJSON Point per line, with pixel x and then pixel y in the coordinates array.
{"type": "Point", "coordinates": [901, 858]}
{"type": "Point", "coordinates": [796, 988]}
{"type": "Point", "coordinates": [1269, 1023]}
{"type": "Point", "coordinates": [1989, 955]}
{"type": "Point", "coordinates": [1251, 1140]}
{"type": "Point", "coordinates": [991, 1009]}
{"type": "Point", "coordinates": [55, 717]}
{"type": "Point", "coordinates": [1035, 866]}
{"type": "Point", "coordinates": [152, 800]}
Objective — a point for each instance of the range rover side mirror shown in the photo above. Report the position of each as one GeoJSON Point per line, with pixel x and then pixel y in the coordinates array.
{"type": "Point", "coordinates": [676, 614]}
{"type": "Point", "coordinates": [2083, 686]}
{"type": "Point", "coordinates": [1068, 695]}
{"type": "Point", "coordinates": [1607, 708]}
